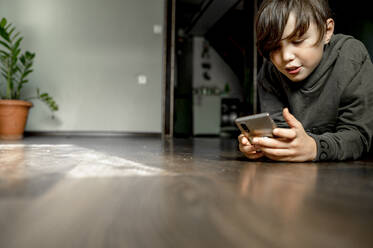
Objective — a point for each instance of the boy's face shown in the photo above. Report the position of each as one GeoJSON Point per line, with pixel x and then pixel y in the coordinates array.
{"type": "Point", "coordinates": [296, 58]}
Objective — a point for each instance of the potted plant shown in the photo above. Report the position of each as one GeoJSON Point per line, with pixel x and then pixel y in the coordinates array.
{"type": "Point", "coordinates": [15, 67]}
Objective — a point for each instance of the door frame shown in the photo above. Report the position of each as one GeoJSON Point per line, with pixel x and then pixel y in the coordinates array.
{"type": "Point", "coordinates": [168, 68]}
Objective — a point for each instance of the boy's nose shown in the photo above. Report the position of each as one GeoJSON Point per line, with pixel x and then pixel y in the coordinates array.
{"type": "Point", "coordinates": [287, 54]}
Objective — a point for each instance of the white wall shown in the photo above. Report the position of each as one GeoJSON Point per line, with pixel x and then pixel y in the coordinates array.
{"type": "Point", "coordinates": [88, 56]}
{"type": "Point", "coordinates": [220, 72]}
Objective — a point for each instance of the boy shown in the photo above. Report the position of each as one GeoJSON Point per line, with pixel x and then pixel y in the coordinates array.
{"type": "Point", "coordinates": [325, 80]}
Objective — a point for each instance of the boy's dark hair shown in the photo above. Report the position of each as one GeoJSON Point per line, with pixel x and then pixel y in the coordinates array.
{"type": "Point", "coordinates": [273, 15]}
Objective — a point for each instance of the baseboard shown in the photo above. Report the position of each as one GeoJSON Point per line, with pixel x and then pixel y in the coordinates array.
{"type": "Point", "coordinates": [89, 133]}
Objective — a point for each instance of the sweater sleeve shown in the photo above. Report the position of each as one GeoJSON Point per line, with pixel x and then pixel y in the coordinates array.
{"type": "Point", "coordinates": [354, 127]}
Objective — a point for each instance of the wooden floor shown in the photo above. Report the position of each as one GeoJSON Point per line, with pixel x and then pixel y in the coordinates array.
{"type": "Point", "coordinates": [139, 191]}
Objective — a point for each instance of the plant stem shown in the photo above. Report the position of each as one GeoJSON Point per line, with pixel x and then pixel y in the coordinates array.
{"type": "Point", "coordinates": [30, 98]}
{"type": "Point", "coordinates": [9, 89]}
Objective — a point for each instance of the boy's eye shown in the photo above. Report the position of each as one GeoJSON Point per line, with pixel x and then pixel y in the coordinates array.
{"type": "Point", "coordinates": [296, 42]}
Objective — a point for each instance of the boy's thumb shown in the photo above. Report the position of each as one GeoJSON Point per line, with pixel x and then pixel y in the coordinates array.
{"type": "Point", "coordinates": [290, 119]}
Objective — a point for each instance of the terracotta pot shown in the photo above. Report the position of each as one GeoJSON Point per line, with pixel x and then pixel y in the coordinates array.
{"type": "Point", "coordinates": [13, 117]}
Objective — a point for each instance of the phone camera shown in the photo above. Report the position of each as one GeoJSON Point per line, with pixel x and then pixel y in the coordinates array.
{"type": "Point", "coordinates": [245, 127]}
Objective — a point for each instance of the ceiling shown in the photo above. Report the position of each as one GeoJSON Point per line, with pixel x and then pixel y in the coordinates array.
{"type": "Point", "coordinates": [196, 17]}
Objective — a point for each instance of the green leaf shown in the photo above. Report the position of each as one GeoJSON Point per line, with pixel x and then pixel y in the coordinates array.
{"type": "Point", "coordinates": [48, 100]}
{"type": "Point", "coordinates": [29, 55]}
{"type": "Point", "coordinates": [3, 22]}
{"type": "Point", "coordinates": [8, 26]}
{"type": "Point", "coordinates": [26, 73]}
{"type": "Point", "coordinates": [15, 36]}
{"type": "Point", "coordinates": [18, 42]}
{"type": "Point", "coordinates": [4, 35]}
{"type": "Point", "coordinates": [5, 44]}
{"type": "Point", "coordinates": [16, 53]}
{"type": "Point", "coordinates": [22, 59]}
{"type": "Point", "coordinates": [11, 31]}
{"type": "Point", "coordinates": [5, 54]}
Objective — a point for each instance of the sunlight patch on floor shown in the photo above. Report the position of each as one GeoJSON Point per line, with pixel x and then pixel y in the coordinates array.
{"type": "Point", "coordinates": [71, 160]}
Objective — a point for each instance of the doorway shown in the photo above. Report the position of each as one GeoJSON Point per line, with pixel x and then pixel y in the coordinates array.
{"type": "Point", "coordinates": [210, 66]}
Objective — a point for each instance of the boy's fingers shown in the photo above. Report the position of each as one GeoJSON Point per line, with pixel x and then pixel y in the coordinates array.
{"type": "Point", "coordinates": [290, 119]}
{"type": "Point", "coordinates": [255, 155]}
{"type": "Point", "coordinates": [246, 148]}
{"type": "Point", "coordinates": [270, 143]}
{"type": "Point", "coordinates": [279, 153]}
{"type": "Point", "coordinates": [242, 139]}
{"type": "Point", "coordinates": [284, 133]}
{"type": "Point", "coordinates": [251, 152]}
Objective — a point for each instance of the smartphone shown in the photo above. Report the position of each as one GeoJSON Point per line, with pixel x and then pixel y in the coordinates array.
{"type": "Point", "coordinates": [258, 125]}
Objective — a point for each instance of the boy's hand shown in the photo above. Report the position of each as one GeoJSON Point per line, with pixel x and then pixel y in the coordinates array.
{"type": "Point", "coordinates": [292, 144]}
{"type": "Point", "coordinates": [247, 148]}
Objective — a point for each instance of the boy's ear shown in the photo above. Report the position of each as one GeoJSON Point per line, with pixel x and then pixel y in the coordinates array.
{"type": "Point", "coordinates": [329, 30]}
